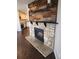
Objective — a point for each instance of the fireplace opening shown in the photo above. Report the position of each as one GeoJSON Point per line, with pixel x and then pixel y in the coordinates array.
{"type": "Point", "coordinates": [39, 34]}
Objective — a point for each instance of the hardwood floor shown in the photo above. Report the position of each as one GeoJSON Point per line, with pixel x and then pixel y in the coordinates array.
{"type": "Point", "coordinates": [25, 50]}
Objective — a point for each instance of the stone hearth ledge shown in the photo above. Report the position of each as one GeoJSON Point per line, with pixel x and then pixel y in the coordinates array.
{"type": "Point", "coordinates": [43, 49]}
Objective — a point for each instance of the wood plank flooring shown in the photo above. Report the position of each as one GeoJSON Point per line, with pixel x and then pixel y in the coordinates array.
{"type": "Point", "coordinates": [25, 50]}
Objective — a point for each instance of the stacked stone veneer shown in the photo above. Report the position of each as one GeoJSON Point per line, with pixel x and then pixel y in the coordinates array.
{"type": "Point", "coordinates": [48, 32]}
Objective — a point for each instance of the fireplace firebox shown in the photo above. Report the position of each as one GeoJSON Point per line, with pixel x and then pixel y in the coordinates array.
{"type": "Point", "coordinates": [39, 34]}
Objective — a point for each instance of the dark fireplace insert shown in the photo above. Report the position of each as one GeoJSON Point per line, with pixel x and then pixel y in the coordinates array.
{"type": "Point", "coordinates": [39, 34]}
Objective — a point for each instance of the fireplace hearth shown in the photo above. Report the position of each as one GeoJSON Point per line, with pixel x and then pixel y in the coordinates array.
{"type": "Point", "coordinates": [39, 34]}
{"type": "Point", "coordinates": [42, 37]}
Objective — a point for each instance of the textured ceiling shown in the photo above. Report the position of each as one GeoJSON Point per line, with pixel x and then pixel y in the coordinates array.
{"type": "Point", "coordinates": [21, 4]}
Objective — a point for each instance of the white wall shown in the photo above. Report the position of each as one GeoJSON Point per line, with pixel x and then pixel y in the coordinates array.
{"type": "Point", "coordinates": [18, 23]}
{"type": "Point", "coordinates": [57, 47]}
{"type": "Point", "coordinates": [21, 4]}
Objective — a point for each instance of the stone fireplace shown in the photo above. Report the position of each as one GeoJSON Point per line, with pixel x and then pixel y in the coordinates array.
{"type": "Point", "coordinates": [43, 33]}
